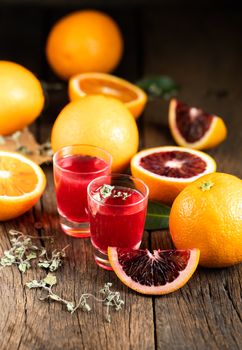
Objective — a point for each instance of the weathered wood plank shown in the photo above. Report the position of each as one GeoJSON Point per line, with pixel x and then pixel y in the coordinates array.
{"type": "Point", "coordinates": [42, 325]}
{"type": "Point", "coordinates": [204, 57]}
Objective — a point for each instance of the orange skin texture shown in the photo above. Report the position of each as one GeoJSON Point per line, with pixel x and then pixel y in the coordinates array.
{"type": "Point", "coordinates": [135, 106]}
{"type": "Point", "coordinates": [216, 134]}
{"type": "Point", "coordinates": [21, 97]}
{"type": "Point", "coordinates": [210, 220]}
{"type": "Point", "coordinates": [84, 41]}
{"type": "Point", "coordinates": [100, 121]}
{"type": "Point", "coordinates": [11, 210]}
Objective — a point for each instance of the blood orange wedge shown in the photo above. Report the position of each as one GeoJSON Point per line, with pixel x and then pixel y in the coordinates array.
{"type": "Point", "coordinates": [105, 84]}
{"type": "Point", "coordinates": [167, 170]}
{"type": "Point", "coordinates": [194, 128]}
{"type": "Point", "coordinates": [162, 272]}
{"type": "Point", "coordinates": [22, 182]}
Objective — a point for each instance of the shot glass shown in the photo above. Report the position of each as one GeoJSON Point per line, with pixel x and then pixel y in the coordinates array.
{"type": "Point", "coordinates": [74, 167]}
{"type": "Point", "coordinates": [117, 205]}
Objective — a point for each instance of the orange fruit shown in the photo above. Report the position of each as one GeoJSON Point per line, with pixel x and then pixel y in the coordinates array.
{"type": "Point", "coordinates": [167, 170]}
{"type": "Point", "coordinates": [207, 215]}
{"type": "Point", "coordinates": [194, 128]}
{"type": "Point", "coordinates": [84, 41]}
{"type": "Point", "coordinates": [131, 95]}
{"type": "Point", "coordinates": [21, 97]}
{"type": "Point", "coordinates": [162, 272]}
{"type": "Point", "coordinates": [22, 182]}
{"type": "Point", "coordinates": [100, 121]}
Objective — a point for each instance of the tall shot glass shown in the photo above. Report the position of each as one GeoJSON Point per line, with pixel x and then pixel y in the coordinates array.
{"type": "Point", "coordinates": [74, 167]}
{"type": "Point", "coordinates": [117, 207]}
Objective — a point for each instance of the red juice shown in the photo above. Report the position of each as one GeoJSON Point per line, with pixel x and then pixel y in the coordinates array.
{"type": "Point", "coordinates": [117, 220]}
{"type": "Point", "coordinates": [72, 175]}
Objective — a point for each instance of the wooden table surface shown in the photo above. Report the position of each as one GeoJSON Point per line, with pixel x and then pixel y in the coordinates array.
{"type": "Point", "coordinates": [202, 51]}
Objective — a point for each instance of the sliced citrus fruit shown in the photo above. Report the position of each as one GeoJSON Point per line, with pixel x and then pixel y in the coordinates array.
{"type": "Point", "coordinates": [167, 170]}
{"type": "Point", "coordinates": [22, 182]}
{"type": "Point", "coordinates": [105, 84]}
{"type": "Point", "coordinates": [162, 272]}
{"type": "Point", "coordinates": [194, 128]}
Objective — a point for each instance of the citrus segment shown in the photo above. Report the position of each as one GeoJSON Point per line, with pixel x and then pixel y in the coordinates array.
{"type": "Point", "coordinates": [84, 41]}
{"type": "Point", "coordinates": [105, 84]}
{"type": "Point", "coordinates": [207, 214]}
{"type": "Point", "coordinates": [21, 97]}
{"type": "Point", "coordinates": [22, 182]}
{"type": "Point", "coordinates": [194, 128]}
{"type": "Point", "coordinates": [100, 121]}
{"type": "Point", "coordinates": [167, 170]}
{"type": "Point", "coordinates": [162, 272]}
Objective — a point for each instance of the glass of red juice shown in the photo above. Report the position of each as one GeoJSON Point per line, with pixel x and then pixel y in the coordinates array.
{"type": "Point", "coordinates": [74, 167]}
{"type": "Point", "coordinates": [117, 206]}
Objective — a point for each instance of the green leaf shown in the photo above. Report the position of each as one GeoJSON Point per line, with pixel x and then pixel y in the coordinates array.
{"type": "Point", "coordinates": [157, 216]}
{"type": "Point", "coordinates": [24, 266]}
{"type": "Point", "coordinates": [31, 255]}
{"type": "Point", "coordinates": [55, 264]}
{"type": "Point", "coordinates": [44, 264]}
{"type": "Point", "coordinates": [34, 284]}
{"type": "Point", "coordinates": [159, 86]}
{"type": "Point", "coordinates": [70, 307]}
{"type": "Point", "coordinates": [50, 279]}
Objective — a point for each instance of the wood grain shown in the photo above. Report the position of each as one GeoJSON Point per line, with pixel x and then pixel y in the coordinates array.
{"type": "Point", "coordinates": [202, 51]}
{"type": "Point", "coordinates": [206, 313]}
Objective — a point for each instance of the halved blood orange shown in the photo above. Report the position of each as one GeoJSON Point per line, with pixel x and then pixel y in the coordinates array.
{"type": "Point", "coordinates": [162, 272]}
{"type": "Point", "coordinates": [167, 170]}
{"type": "Point", "coordinates": [105, 84]}
{"type": "Point", "coordinates": [22, 182]}
{"type": "Point", "coordinates": [194, 128]}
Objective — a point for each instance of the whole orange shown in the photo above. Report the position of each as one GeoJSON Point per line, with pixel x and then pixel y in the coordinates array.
{"type": "Point", "coordinates": [84, 41]}
{"type": "Point", "coordinates": [208, 215]}
{"type": "Point", "coordinates": [21, 97]}
{"type": "Point", "coordinates": [100, 121]}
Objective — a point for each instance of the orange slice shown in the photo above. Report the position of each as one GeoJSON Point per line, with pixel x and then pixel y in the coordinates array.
{"type": "Point", "coordinates": [168, 170]}
{"type": "Point", "coordinates": [194, 128]}
{"type": "Point", "coordinates": [162, 272]}
{"type": "Point", "coordinates": [22, 182]}
{"type": "Point", "coordinates": [105, 84]}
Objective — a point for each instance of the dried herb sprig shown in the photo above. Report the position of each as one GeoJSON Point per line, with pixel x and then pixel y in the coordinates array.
{"type": "Point", "coordinates": [53, 262]}
{"type": "Point", "coordinates": [23, 251]}
{"type": "Point", "coordinates": [110, 299]}
{"type": "Point", "coordinates": [108, 190]}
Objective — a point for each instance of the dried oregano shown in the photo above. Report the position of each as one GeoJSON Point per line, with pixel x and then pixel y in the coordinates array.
{"type": "Point", "coordinates": [23, 252]}
{"type": "Point", "coordinates": [109, 298]}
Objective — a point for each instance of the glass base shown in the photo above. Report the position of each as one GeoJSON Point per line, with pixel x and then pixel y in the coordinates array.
{"type": "Point", "coordinates": [75, 229]}
{"type": "Point", "coordinates": [102, 259]}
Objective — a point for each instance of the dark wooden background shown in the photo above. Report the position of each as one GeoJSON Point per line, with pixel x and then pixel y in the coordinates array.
{"type": "Point", "coordinates": [200, 46]}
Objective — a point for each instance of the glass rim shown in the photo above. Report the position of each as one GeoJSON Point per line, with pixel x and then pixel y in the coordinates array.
{"type": "Point", "coordinates": [117, 175]}
{"type": "Point", "coordinates": [81, 145]}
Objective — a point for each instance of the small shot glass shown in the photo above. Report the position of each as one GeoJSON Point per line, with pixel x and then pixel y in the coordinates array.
{"type": "Point", "coordinates": [74, 167]}
{"type": "Point", "coordinates": [117, 205]}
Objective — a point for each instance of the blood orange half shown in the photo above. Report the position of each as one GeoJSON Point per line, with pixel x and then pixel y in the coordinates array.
{"type": "Point", "coordinates": [168, 170]}
{"type": "Point", "coordinates": [162, 272]}
{"type": "Point", "coordinates": [194, 128]}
